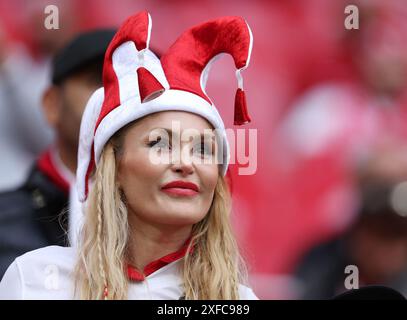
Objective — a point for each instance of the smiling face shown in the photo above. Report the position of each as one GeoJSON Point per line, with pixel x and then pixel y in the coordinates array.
{"type": "Point", "coordinates": [178, 189]}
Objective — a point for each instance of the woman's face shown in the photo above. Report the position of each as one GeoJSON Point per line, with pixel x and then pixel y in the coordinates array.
{"type": "Point", "coordinates": [167, 168]}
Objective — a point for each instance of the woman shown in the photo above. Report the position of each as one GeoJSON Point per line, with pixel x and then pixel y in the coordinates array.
{"type": "Point", "coordinates": [157, 215]}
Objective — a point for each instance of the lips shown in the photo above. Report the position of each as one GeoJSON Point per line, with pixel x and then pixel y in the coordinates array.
{"type": "Point", "coordinates": [181, 188]}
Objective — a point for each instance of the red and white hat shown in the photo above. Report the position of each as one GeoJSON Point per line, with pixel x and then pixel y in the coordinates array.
{"type": "Point", "coordinates": [137, 83]}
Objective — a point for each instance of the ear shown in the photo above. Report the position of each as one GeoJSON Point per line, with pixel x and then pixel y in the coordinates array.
{"type": "Point", "coordinates": [51, 100]}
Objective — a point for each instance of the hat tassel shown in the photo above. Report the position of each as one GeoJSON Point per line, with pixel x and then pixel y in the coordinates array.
{"type": "Point", "coordinates": [241, 113]}
{"type": "Point", "coordinates": [149, 86]}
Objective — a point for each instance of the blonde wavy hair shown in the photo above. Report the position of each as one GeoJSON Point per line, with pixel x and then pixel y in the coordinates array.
{"type": "Point", "coordinates": [213, 270]}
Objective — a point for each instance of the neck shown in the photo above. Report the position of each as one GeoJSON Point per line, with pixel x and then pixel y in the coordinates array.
{"type": "Point", "coordinates": [149, 242]}
{"type": "Point", "coordinates": [67, 156]}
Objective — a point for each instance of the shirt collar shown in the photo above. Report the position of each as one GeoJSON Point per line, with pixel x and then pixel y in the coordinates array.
{"type": "Point", "coordinates": [52, 166]}
{"type": "Point", "coordinates": [135, 275]}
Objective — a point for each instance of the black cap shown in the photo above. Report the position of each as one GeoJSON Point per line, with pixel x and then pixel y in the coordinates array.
{"type": "Point", "coordinates": [371, 292]}
{"type": "Point", "coordinates": [84, 48]}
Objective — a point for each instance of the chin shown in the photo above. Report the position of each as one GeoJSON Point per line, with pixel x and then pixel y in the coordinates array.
{"type": "Point", "coordinates": [181, 217]}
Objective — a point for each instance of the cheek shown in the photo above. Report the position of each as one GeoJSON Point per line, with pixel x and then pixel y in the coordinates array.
{"type": "Point", "coordinates": [81, 98]}
{"type": "Point", "coordinates": [211, 174]}
{"type": "Point", "coordinates": [74, 105]}
{"type": "Point", "coordinates": [209, 177]}
{"type": "Point", "coordinates": [137, 174]}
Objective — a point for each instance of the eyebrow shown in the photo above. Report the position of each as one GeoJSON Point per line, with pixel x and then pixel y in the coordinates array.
{"type": "Point", "coordinates": [170, 133]}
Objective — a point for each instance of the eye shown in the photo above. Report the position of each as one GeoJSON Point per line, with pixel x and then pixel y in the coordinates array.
{"type": "Point", "coordinates": [159, 143]}
{"type": "Point", "coordinates": [203, 149]}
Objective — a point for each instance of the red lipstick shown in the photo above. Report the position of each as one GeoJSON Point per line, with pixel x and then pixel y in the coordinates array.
{"type": "Point", "coordinates": [181, 188]}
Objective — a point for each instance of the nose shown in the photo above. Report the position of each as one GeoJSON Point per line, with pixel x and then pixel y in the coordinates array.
{"type": "Point", "coordinates": [182, 162]}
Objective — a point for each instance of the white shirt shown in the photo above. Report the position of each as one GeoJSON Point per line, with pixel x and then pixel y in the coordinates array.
{"type": "Point", "coordinates": [46, 274]}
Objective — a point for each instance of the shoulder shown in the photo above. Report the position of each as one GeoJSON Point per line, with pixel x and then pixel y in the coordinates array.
{"type": "Point", "coordinates": [41, 263]}
{"type": "Point", "coordinates": [48, 255]}
{"type": "Point", "coordinates": [40, 274]}
{"type": "Point", "coordinates": [24, 200]}
{"type": "Point", "coordinates": [12, 202]}
{"type": "Point", "coordinates": [246, 293]}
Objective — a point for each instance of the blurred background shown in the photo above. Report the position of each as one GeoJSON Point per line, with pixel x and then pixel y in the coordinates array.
{"type": "Point", "coordinates": [330, 107]}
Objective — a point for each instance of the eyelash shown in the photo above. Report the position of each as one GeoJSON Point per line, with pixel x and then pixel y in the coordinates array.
{"type": "Point", "coordinates": [155, 142]}
{"type": "Point", "coordinates": [206, 149]}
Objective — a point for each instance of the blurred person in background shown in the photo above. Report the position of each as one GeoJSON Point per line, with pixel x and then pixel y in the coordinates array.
{"type": "Point", "coordinates": [351, 115]}
{"type": "Point", "coordinates": [24, 73]}
{"type": "Point", "coordinates": [334, 126]}
{"type": "Point", "coordinates": [376, 242]}
{"type": "Point", "coordinates": [24, 132]}
{"type": "Point", "coordinates": [33, 215]}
